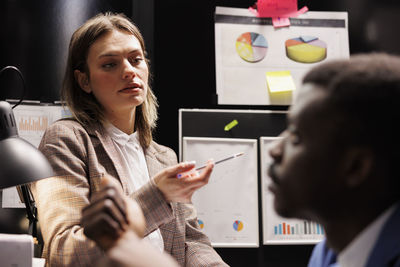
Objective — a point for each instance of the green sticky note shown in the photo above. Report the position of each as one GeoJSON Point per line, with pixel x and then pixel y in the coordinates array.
{"type": "Point", "coordinates": [280, 81]}
{"type": "Point", "coordinates": [230, 125]}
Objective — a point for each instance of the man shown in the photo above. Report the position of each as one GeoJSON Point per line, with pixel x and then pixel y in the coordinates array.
{"type": "Point", "coordinates": [337, 163]}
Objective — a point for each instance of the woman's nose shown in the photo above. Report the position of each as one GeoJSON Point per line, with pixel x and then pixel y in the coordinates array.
{"type": "Point", "coordinates": [129, 71]}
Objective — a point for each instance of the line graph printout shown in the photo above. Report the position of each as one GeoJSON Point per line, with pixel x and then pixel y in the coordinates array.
{"type": "Point", "coordinates": [227, 207]}
{"type": "Point", "coordinates": [32, 121]}
{"type": "Point", "coordinates": [276, 229]}
{"type": "Point", "coordinates": [242, 62]}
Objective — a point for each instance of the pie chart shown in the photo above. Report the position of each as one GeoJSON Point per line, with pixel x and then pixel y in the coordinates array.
{"type": "Point", "coordinates": [238, 226]}
{"type": "Point", "coordinates": [201, 223]}
{"type": "Point", "coordinates": [306, 49]}
{"type": "Point", "coordinates": [251, 47]}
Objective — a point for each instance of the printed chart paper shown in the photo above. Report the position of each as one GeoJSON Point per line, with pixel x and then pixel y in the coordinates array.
{"type": "Point", "coordinates": [276, 229]}
{"type": "Point", "coordinates": [227, 207]}
{"type": "Point", "coordinates": [247, 47]}
{"type": "Point", "coordinates": [32, 121]}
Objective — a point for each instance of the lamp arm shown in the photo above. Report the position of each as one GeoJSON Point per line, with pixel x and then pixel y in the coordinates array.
{"type": "Point", "coordinates": [22, 79]}
{"type": "Point", "coordinates": [31, 211]}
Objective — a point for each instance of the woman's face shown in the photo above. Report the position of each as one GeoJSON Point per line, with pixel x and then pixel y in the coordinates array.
{"type": "Point", "coordinates": [118, 73]}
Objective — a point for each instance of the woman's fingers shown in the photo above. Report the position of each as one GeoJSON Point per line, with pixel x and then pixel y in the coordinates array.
{"type": "Point", "coordinates": [181, 189]}
{"type": "Point", "coordinates": [173, 171]}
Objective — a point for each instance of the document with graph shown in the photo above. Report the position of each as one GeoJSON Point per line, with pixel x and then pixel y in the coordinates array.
{"type": "Point", "coordinates": [276, 229]}
{"type": "Point", "coordinates": [227, 207]}
{"type": "Point", "coordinates": [257, 64]}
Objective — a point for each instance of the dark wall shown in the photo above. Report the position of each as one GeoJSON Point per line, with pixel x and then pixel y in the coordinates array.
{"type": "Point", "coordinates": [35, 37]}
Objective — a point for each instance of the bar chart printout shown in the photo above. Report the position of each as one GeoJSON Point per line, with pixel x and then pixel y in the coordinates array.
{"type": "Point", "coordinates": [304, 228]}
{"type": "Point", "coordinates": [276, 229]}
{"type": "Point", "coordinates": [33, 123]}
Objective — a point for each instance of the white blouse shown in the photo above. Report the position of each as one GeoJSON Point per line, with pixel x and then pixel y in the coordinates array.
{"type": "Point", "coordinates": [134, 164]}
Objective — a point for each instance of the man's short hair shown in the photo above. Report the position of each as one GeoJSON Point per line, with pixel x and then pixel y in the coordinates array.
{"type": "Point", "coordinates": [364, 97]}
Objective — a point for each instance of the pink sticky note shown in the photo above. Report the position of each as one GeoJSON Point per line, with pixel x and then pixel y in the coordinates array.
{"type": "Point", "coordinates": [276, 8]}
{"type": "Point", "coordinates": [280, 22]}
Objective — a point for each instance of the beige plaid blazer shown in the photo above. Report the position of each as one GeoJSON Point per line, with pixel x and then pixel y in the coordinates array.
{"type": "Point", "coordinates": [80, 157]}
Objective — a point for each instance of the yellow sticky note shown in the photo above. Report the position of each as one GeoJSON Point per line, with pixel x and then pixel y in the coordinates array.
{"type": "Point", "coordinates": [280, 81]}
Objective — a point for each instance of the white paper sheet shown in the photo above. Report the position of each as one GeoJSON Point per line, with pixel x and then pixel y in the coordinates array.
{"type": "Point", "coordinates": [240, 82]}
{"type": "Point", "coordinates": [276, 229]}
{"type": "Point", "coordinates": [227, 206]}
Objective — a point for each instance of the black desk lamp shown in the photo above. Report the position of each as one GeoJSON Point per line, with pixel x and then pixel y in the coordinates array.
{"type": "Point", "coordinates": [20, 162]}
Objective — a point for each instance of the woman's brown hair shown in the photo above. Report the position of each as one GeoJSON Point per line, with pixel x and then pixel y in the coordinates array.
{"type": "Point", "coordinates": [84, 106]}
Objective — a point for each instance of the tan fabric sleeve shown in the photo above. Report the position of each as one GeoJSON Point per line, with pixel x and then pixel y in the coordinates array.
{"type": "Point", "coordinates": [155, 209]}
{"type": "Point", "coordinates": [60, 199]}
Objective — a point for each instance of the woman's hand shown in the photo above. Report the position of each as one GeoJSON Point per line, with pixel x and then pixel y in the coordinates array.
{"type": "Point", "coordinates": [110, 214]}
{"type": "Point", "coordinates": [181, 189]}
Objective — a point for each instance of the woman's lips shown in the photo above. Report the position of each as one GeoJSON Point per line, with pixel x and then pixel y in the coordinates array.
{"type": "Point", "coordinates": [131, 89]}
{"type": "Point", "coordinates": [132, 86]}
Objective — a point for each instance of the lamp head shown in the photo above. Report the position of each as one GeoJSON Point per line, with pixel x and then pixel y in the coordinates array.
{"type": "Point", "coordinates": [20, 161]}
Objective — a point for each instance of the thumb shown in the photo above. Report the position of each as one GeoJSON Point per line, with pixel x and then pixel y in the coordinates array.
{"type": "Point", "coordinates": [107, 181]}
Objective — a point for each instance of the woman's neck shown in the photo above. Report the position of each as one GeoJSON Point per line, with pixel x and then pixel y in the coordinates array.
{"type": "Point", "coordinates": [123, 121]}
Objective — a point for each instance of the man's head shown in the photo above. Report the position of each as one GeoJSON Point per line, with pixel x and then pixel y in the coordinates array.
{"type": "Point", "coordinates": [342, 144]}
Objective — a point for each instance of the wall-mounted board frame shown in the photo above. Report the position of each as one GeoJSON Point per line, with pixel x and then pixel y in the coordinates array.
{"type": "Point", "coordinates": [227, 207]}
{"type": "Point", "coordinates": [211, 122]}
{"type": "Point", "coordinates": [276, 229]}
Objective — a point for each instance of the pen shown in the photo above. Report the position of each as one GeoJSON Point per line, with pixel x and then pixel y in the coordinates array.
{"type": "Point", "coordinates": [222, 160]}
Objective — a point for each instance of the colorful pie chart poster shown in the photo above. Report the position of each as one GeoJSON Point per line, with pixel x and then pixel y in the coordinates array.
{"type": "Point", "coordinates": [248, 47]}
{"type": "Point", "coordinates": [251, 47]}
{"type": "Point", "coordinates": [306, 49]}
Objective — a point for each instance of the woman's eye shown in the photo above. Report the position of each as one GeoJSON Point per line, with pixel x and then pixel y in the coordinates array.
{"type": "Point", "coordinates": [109, 65]}
{"type": "Point", "coordinates": [136, 60]}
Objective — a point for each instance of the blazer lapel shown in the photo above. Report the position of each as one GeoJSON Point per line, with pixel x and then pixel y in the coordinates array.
{"type": "Point", "coordinates": [153, 163]}
{"type": "Point", "coordinates": [114, 156]}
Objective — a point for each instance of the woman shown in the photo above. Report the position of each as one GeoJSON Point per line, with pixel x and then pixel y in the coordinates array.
{"type": "Point", "coordinates": [114, 112]}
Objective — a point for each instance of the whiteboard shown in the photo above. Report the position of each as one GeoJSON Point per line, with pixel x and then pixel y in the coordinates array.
{"type": "Point", "coordinates": [276, 229]}
{"type": "Point", "coordinates": [227, 207]}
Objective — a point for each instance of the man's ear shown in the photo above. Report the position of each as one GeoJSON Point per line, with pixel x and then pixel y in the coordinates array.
{"type": "Point", "coordinates": [358, 165]}
{"type": "Point", "coordinates": [83, 81]}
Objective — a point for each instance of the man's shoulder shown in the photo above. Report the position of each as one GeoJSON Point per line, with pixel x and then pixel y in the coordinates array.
{"type": "Point", "coordinates": [322, 255]}
{"type": "Point", "coordinates": [386, 250]}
